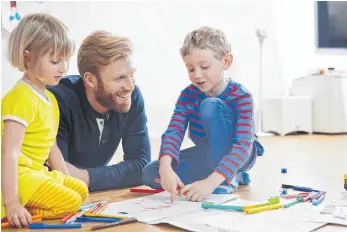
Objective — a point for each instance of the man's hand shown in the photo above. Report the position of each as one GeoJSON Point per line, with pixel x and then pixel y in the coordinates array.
{"type": "Point", "coordinates": [199, 190]}
{"type": "Point", "coordinates": [81, 174]}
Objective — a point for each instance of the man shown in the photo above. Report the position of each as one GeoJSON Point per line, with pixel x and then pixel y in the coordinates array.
{"type": "Point", "coordinates": [99, 109]}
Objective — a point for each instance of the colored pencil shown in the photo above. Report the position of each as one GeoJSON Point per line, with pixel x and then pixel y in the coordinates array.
{"type": "Point", "coordinates": [33, 220]}
{"type": "Point", "coordinates": [92, 210]}
{"type": "Point", "coordinates": [264, 208]}
{"type": "Point", "coordinates": [67, 218]}
{"type": "Point", "coordinates": [137, 190]}
{"type": "Point", "coordinates": [74, 217]}
{"type": "Point", "coordinates": [121, 216]}
{"type": "Point", "coordinates": [102, 226]}
{"type": "Point", "coordinates": [101, 208]}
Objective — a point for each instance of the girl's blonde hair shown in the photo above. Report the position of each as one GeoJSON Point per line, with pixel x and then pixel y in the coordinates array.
{"type": "Point", "coordinates": [102, 48]}
{"type": "Point", "coordinates": [206, 38]}
{"type": "Point", "coordinates": [39, 34]}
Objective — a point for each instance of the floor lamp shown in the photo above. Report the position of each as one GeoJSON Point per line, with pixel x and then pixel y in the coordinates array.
{"type": "Point", "coordinates": [261, 34]}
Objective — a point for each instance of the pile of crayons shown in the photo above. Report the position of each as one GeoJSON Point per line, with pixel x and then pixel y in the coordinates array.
{"type": "Point", "coordinates": [93, 213]}
{"type": "Point", "coordinates": [273, 203]}
{"type": "Point", "coordinates": [306, 195]}
{"type": "Point", "coordinates": [87, 213]}
{"type": "Point", "coordinates": [315, 197]}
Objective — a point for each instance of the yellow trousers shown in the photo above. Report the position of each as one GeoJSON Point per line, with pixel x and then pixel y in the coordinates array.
{"type": "Point", "coordinates": [54, 200]}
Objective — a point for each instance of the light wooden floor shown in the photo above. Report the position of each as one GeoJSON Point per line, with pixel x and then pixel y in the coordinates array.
{"type": "Point", "coordinates": [317, 161]}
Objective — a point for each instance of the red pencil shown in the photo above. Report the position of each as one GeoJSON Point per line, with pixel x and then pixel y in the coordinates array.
{"type": "Point", "coordinates": [137, 190]}
{"type": "Point", "coordinates": [67, 218]}
{"type": "Point", "coordinates": [92, 210]}
{"type": "Point", "coordinates": [97, 207]}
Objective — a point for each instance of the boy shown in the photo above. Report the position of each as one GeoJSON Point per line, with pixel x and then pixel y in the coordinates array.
{"type": "Point", "coordinates": [219, 113]}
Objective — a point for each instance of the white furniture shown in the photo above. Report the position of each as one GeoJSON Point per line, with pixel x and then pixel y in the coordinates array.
{"type": "Point", "coordinates": [329, 99]}
{"type": "Point", "coordinates": [287, 114]}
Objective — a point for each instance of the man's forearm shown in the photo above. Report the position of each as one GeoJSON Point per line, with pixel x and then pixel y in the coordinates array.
{"type": "Point", "coordinates": [124, 174]}
{"type": "Point", "coordinates": [81, 174]}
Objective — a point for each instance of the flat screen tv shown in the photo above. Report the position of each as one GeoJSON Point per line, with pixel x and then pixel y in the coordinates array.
{"type": "Point", "coordinates": [331, 24]}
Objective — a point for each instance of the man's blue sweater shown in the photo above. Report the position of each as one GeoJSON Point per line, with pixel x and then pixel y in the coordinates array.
{"type": "Point", "coordinates": [89, 139]}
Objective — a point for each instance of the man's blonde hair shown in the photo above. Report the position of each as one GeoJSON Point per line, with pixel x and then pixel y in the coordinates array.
{"type": "Point", "coordinates": [102, 48]}
{"type": "Point", "coordinates": [39, 34]}
{"type": "Point", "coordinates": [206, 38]}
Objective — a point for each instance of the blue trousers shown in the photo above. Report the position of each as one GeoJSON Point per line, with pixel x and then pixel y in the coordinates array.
{"type": "Point", "coordinates": [198, 162]}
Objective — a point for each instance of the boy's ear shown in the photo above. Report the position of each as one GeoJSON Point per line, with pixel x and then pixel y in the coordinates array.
{"type": "Point", "coordinates": [90, 79]}
{"type": "Point", "coordinates": [228, 60]}
{"type": "Point", "coordinates": [27, 59]}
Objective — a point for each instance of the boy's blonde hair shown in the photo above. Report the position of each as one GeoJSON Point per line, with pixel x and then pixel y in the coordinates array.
{"type": "Point", "coordinates": [102, 48]}
{"type": "Point", "coordinates": [39, 34]}
{"type": "Point", "coordinates": [206, 38]}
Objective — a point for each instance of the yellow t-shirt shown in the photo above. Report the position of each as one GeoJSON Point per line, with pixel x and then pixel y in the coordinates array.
{"type": "Point", "coordinates": [40, 116]}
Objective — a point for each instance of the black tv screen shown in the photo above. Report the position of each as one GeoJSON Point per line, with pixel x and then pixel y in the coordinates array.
{"type": "Point", "coordinates": [331, 25]}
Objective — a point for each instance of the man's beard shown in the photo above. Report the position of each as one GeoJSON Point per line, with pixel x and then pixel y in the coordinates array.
{"type": "Point", "coordinates": [108, 100]}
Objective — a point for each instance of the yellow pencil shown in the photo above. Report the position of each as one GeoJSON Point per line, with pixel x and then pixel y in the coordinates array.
{"type": "Point", "coordinates": [257, 205]}
{"type": "Point", "coordinates": [265, 208]}
{"type": "Point", "coordinates": [120, 216]}
{"type": "Point", "coordinates": [271, 201]}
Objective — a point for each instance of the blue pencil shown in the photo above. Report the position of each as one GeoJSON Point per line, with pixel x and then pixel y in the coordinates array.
{"type": "Point", "coordinates": [54, 226]}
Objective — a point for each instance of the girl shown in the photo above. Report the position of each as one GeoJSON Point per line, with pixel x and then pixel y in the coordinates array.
{"type": "Point", "coordinates": [40, 46]}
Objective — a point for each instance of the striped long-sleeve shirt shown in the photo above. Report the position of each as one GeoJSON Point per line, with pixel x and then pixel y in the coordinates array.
{"type": "Point", "coordinates": [187, 112]}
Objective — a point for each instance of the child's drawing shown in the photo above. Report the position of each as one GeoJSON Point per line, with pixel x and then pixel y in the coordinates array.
{"type": "Point", "coordinates": [154, 207]}
{"type": "Point", "coordinates": [154, 203]}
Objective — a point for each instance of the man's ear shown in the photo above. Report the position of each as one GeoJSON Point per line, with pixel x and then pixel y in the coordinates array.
{"type": "Point", "coordinates": [90, 79]}
{"type": "Point", "coordinates": [27, 59]}
{"type": "Point", "coordinates": [228, 60]}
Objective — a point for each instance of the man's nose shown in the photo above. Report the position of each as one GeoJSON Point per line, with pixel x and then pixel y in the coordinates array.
{"type": "Point", "coordinates": [129, 85]}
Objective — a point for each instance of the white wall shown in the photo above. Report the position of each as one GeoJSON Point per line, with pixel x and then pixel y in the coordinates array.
{"type": "Point", "coordinates": [297, 41]}
{"type": "Point", "coordinates": [157, 29]}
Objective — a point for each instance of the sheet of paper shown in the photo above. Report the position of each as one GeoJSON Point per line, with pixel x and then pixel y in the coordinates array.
{"type": "Point", "coordinates": [284, 220]}
{"type": "Point", "coordinates": [158, 206]}
{"type": "Point", "coordinates": [190, 221]}
{"type": "Point", "coordinates": [332, 211]}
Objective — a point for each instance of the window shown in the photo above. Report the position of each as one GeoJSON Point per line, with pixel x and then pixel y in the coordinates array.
{"type": "Point", "coordinates": [331, 24]}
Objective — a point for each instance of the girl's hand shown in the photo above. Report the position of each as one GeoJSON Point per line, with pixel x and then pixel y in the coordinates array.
{"type": "Point", "coordinates": [17, 215]}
